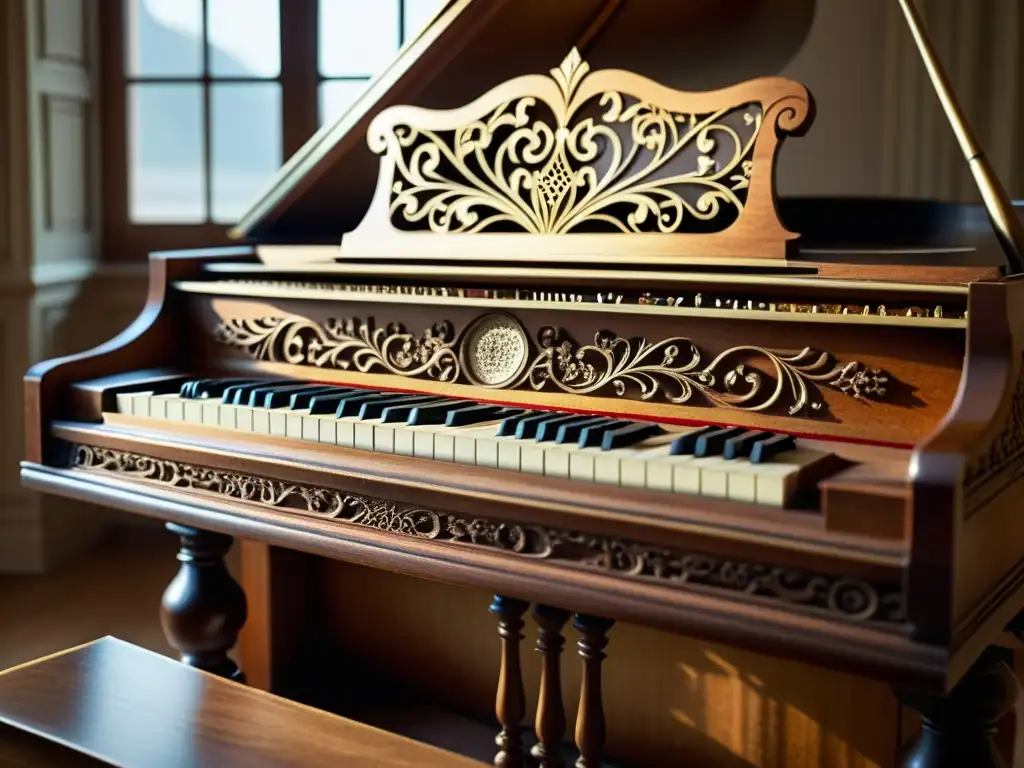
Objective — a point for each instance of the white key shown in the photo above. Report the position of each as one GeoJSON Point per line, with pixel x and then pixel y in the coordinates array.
{"type": "Point", "coordinates": [210, 412]}
{"type": "Point", "coordinates": [158, 407]}
{"type": "Point", "coordinates": [243, 418]}
{"type": "Point", "coordinates": [777, 480]}
{"type": "Point", "coordinates": [193, 410]}
{"type": "Point", "coordinates": [228, 417]}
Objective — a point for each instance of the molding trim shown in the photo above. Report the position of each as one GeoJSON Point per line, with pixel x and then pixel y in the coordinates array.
{"type": "Point", "coordinates": [495, 351]}
{"type": "Point", "coordinates": [834, 596]}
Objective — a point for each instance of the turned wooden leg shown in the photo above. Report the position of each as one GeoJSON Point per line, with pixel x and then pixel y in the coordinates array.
{"type": "Point", "coordinates": [590, 718]}
{"type": "Point", "coordinates": [958, 730]}
{"type": "Point", "coordinates": [550, 722]}
{"type": "Point", "coordinates": [203, 608]}
{"type": "Point", "coordinates": [510, 704]}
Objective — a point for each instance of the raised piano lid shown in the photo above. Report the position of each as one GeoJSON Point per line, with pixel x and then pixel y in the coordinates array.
{"type": "Point", "coordinates": [472, 46]}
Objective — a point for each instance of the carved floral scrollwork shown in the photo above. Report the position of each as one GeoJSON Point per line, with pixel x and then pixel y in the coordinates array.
{"type": "Point", "coordinates": [850, 598]}
{"type": "Point", "coordinates": [673, 368]}
{"type": "Point", "coordinates": [536, 165]}
{"type": "Point", "coordinates": [348, 344]}
{"type": "Point", "coordinates": [257, 490]}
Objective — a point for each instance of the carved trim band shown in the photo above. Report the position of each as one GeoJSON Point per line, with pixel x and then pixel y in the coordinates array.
{"type": "Point", "coordinates": [494, 351]}
{"type": "Point", "coordinates": [835, 596]}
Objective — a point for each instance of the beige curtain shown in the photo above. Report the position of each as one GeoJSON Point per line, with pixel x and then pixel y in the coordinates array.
{"type": "Point", "coordinates": [980, 42]}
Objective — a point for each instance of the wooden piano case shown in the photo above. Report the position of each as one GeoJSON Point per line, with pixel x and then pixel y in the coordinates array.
{"type": "Point", "coordinates": [500, 202]}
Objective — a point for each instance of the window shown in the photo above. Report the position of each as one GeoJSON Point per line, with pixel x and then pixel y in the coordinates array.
{"type": "Point", "coordinates": [204, 107]}
{"type": "Point", "coordinates": [357, 39]}
{"type": "Point", "coordinates": [204, 99]}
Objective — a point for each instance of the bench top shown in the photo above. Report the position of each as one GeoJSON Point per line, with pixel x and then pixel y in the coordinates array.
{"type": "Point", "coordinates": [134, 708]}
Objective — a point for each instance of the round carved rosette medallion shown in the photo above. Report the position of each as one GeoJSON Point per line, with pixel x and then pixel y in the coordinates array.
{"type": "Point", "coordinates": [495, 351]}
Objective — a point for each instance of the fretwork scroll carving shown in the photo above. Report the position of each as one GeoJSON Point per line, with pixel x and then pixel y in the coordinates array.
{"type": "Point", "coordinates": [836, 596]}
{"type": "Point", "coordinates": [495, 352]}
{"type": "Point", "coordinates": [586, 154]}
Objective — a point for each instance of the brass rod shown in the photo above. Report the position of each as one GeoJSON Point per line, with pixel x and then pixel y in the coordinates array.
{"type": "Point", "coordinates": [1000, 208]}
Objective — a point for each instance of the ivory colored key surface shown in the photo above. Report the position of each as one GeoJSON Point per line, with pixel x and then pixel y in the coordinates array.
{"type": "Point", "coordinates": [646, 465]}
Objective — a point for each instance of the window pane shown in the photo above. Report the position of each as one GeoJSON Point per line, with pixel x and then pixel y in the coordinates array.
{"type": "Point", "coordinates": [336, 96]}
{"type": "Point", "coordinates": [164, 38]}
{"type": "Point", "coordinates": [357, 37]}
{"type": "Point", "coordinates": [245, 131]}
{"type": "Point", "coordinates": [165, 155]}
{"type": "Point", "coordinates": [418, 13]}
{"type": "Point", "coordinates": [244, 38]}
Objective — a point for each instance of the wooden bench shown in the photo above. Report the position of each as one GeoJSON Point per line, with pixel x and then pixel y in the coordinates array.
{"type": "Point", "coordinates": [112, 703]}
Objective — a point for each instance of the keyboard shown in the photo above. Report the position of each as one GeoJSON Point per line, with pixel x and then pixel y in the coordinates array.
{"type": "Point", "coordinates": [728, 462]}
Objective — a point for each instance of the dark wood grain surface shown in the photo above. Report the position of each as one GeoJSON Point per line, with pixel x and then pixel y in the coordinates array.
{"type": "Point", "coordinates": [131, 707]}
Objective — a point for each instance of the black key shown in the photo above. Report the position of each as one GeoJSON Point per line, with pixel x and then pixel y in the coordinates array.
{"type": "Point", "coordinates": [477, 414]}
{"type": "Point", "coordinates": [712, 443]}
{"type": "Point", "coordinates": [324, 404]}
{"type": "Point", "coordinates": [738, 447]}
{"type": "Point", "coordinates": [773, 446]}
{"type": "Point", "coordinates": [350, 405]}
{"type": "Point", "coordinates": [634, 433]}
{"type": "Point", "coordinates": [570, 433]}
{"type": "Point", "coordinates": [216, 388]}
{"type": "Point", "coordinates": [372, 409]}
{"type": "Point", "coordinates": [239, 394]}
{"type": "Point", "coordinates": [396, 414]}
{"type": "Point", "coordinates": [436, 413]}
{"type": "Point", "coordinates": [548, 430]}
{"type": "Point", "coordinates": [281, 397]}
{"type": "Point", "coordinates": [301, 400]}
{"type": "Point", "coordinates": [190, 388]}
{"type": "Point", "coordinates": [526, 429]}
{"type": "Point", "coordinates": [507, 428]}
{"type": "Point", "coordinates": [258, 395]}
{"type": "Point", "coordinates": [591, 436]}
{"type": "Point", "coordinates": [684, 445]}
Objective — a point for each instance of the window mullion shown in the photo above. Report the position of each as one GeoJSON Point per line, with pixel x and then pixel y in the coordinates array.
{"type": "Point", "coordinates": [299, 74]}
{"type": "Point", "coordinates": [207, 120]}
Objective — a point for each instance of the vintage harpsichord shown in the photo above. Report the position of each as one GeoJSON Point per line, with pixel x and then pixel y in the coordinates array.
{"type": "Point", "coordinates": [559, 337]}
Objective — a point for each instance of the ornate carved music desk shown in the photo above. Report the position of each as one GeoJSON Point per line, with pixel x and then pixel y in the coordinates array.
{"type": "Point", "coordinates": [554, 336]}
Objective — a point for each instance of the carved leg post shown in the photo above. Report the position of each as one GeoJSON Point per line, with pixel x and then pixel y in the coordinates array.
{"type": "Point", "coordinates": [550, 722]}
{"type": "Point", "coordinates": [203, 608]}
{"type": "Point", "coordinates": [510, 704]}
{"type": "Point", "coordinates": [590, 719]}
{"type": "Point", "coordinates": [957, 730]}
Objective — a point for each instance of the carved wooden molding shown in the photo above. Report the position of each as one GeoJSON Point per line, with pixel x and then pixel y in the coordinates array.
{"type": "Point", "coordinates": [495, 352]}
{"type": "Point", "coordinates": [836, 596]}
{"type": "Point", "coordinates": [625, 165]}
{"type": "Point", "coordinates": [1004, 450]}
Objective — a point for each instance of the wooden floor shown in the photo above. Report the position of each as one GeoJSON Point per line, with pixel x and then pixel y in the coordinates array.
{"type": "Point", "coordinates": [114, 589]}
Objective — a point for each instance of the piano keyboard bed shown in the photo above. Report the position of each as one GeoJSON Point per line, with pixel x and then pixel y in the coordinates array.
{"type": "Point", "coordinates": [721, 462]}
